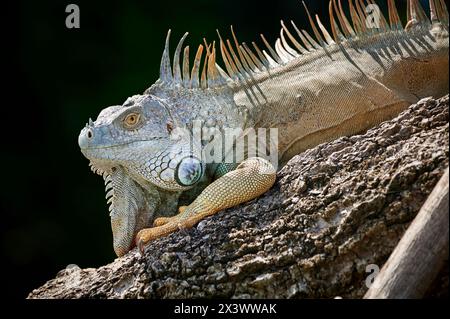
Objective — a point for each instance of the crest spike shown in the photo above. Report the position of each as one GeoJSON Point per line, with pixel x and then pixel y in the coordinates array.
{"type": "Point", "coordinates": [261, 55]}
{"type": "Point", "coordinates": [303, 38]}
{"type": "Point", "coordinates": [408, 11]}
{"type": "Point", "coordinates": [394, 19]}
{"type": "Point", "coordinates": [242, 73]}
{"type": "Point", "coordinates": [210, 70]}
{"type": "Point", "coordinates": [253, 57]}
{"type": "Point", "coordinates": [218, 76]}
{"type": "Point", "coordinates": [282, 53]}
{"type": "Point", "coordinates": [355, 18]}
{"type": "Point", "coordinates": [286, 46]}
{"type": "Point", "coordinates": [334, 27]}
{"type": "Point", "coordinates": [207, 47]}
{"type": "Point", "coordinates": [247, 64]}
{"type": "Point", "coordinates": [272, 62]}
{"type": "Point", "coordinates": [195, 83]}
{"type": "Point", "coordinates": [293, 40]}
{"type": "Point", "coordinates": [236, 43]}
{"type": "Point", "coordinates": [230, 60]}
{"type": "Point", "coordinates": [340, 18]}
{"type": "Point", "coordinates": [186, 78]}
{"type": "Point", "coordinates": [316, 32]}
{"type": "Point", "coordinates": [223, 76]}
{"type": "Point", "coordinates": [165, 73]}
{"type": "Point", "coordinates": [442, 12]}
{"type": "Point", "coordinates": [252, 80]}
{"type": "Point", "coordinates": [348, 26]}
{"type": "Point", "coordinates": [203, 82]}
{"type": "Point", "coordinates": [235, 58]}
{"type": "Point", "coordinates": [176, 60]}
{"type": "Point", "coordinates": [412, 15]}
{"type": "Point", "coordinates": [325, 33]}
{"type": "Point", "coordinates": [311, 40]}
{"type": "Point", "coordinates": [236, 74]}
{"type": "Point", "coordinates": [272, 51]}
{"type": "Point", "coordinates": [213, 52]}
{"type": "Point", "coordinates": [249, 60]}
{"type": "Point", "coordinates": [223, 49]}
{"type": "Point", "coordinates": [418, 12]}
{"type": "Point", "coordinates": [433, 13]}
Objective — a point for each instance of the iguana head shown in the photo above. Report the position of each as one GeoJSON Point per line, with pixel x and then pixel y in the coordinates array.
{"type": "Point", "coordinates": [145, 146]}
{"type": "Point", "coordinates": [139, 149]}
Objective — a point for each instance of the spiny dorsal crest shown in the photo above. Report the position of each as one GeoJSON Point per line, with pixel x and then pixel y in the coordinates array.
{"type": "Point", "coordinates": [211, 75]}
{"type": "Point", "coordinates": [242, 63]}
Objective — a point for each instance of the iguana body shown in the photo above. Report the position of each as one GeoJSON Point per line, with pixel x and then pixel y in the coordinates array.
{"type": "Point", "coordinates": [313, 90]}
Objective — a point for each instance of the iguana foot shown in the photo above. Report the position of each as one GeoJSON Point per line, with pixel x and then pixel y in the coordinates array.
{"type": "Point", "coordinates": [250, 179]}
{"type": "Point", "coordinates": [148, 234]}
{"type": "Point", "coordinates": [188, 216]}
{"type": "Point", "coordinates": [164, 220]}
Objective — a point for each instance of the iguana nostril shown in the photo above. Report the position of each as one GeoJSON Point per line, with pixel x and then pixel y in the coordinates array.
{"type": "Point", "coordinates": [89, 134]}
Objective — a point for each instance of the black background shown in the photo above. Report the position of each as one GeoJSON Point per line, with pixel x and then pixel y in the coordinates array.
{"type": "Point", "coordinates": [53, 209]}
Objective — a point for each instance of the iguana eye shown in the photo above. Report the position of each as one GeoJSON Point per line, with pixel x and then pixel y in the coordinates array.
{"type": "Point", "coordinates": [188, 171]}
{"type": "Point", "coordinates": [131, 120]}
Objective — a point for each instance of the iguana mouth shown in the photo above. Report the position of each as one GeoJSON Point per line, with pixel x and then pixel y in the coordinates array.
{"type": "Point", "coordinates": [118, 145]}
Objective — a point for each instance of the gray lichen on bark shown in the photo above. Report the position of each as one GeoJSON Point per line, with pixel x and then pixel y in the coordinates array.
{"type": "Point", "coordinates": [334, 210]}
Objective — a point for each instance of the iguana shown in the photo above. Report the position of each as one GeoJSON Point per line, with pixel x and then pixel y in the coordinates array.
{"type": "Point", "coordinates": [312, 89]}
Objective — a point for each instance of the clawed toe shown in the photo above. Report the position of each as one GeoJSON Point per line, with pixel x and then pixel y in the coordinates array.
{"type": "Point", "coordinates": [181, 209]}
{"type": "Point", "coordinates": [141, 246]}
{"type": "Point", "coordinates": [160, 221]}
{"type": "Point", "coordinates": [140, 243]}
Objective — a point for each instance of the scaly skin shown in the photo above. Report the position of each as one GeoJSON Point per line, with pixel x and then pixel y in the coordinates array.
{"type": "Point", "coordinates": [311, 90]}
{"type": "Point", "coordinates": [251, 178]}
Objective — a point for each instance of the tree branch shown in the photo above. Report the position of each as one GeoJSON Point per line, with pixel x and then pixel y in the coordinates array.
{"type": "Point", "coordinates": [421, 252]}
{"type": "Point", "coordinates": [335, 211]}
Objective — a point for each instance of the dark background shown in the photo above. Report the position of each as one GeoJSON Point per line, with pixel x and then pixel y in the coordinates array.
{"type": "Point", "coordinates": [53, 208]}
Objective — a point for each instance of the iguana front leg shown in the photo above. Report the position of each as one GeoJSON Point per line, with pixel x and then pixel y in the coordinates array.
{"type": "Point", "coordinates": [250, 179]}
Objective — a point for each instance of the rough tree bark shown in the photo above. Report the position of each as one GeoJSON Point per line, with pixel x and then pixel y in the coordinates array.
{"type": "Point", "coordinates": [407, 273]}
{"type": "Point", "coordinates": [334, 210]}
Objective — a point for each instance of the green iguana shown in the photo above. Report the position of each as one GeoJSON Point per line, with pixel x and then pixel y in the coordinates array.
{"type": "Point", "coordinates": [312, 89]}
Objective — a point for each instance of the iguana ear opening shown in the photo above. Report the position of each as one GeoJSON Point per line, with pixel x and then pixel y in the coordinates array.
{"type": "Point", "coordinates": [169, 126]}
{"type": "Point", "coordinates": [189, 171]}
